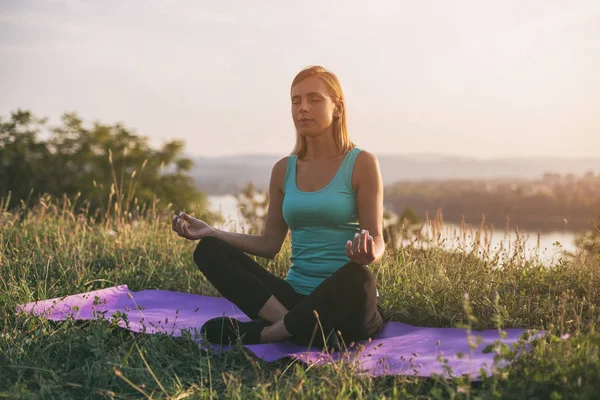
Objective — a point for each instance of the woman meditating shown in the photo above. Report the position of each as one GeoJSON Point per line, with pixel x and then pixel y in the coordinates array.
{"type": "Point", "coordinates": [329, 193]}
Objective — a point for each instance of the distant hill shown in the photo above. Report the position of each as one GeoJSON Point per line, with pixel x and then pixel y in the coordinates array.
{"type": "Point", "coordinates": [227, 175]}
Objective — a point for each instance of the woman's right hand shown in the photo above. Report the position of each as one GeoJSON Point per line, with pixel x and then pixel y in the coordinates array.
{"type": "Point", "coordinates": [191, 228]}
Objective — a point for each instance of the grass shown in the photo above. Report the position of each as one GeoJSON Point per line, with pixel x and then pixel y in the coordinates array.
{"type": "Point", "coordinates": [53, 250]}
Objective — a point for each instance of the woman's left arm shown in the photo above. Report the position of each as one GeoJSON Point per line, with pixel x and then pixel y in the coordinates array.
{"type": "Point", "coordinates": [368, 247]}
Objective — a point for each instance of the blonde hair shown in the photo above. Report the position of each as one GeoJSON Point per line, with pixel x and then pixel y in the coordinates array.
{"type": "Point", "coordinates": [340, 127]}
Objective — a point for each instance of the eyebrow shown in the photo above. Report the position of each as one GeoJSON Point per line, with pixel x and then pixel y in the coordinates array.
{"type": "Point", "coordinates": [310, 94]}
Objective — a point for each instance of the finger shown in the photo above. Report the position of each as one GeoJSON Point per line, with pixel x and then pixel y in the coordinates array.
{"type": "Point", "coordinates": [178, 227]}
{"type": "Point", "coordinates": [355, 248]}
{"type": "Point", "coordinates": [184, 231]}
{"type": "Point", "coordinates": [371, 247]}
{"type": "Point", "coordinates": [363, 240]}
{"type": "Point", "coordinates": [349, 252]}
{"type": "Point", "coordinates": [186, 217]}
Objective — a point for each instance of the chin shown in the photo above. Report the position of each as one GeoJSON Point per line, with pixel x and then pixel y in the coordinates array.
{"type": "Point", "coordinates": [308, 132]}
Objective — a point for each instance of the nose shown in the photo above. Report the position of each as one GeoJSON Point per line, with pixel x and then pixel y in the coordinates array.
{"type": "Point", "coordinates": [304, 105]}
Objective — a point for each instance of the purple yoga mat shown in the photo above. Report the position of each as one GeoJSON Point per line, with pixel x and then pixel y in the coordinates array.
{"type": "Point", "coordinates": [399, 349]}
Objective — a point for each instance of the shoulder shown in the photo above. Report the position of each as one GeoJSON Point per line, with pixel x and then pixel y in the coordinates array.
{"type": "Point", "coordinates": [278, 172]}
{"type": "Point", "coordinates": [280, 166]}
{"type": "Point", "coordinates": [366, 169]}
{"type": "Point", "coordinates": [366, 159]}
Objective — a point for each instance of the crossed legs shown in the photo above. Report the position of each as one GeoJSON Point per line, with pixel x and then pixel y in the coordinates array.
{"type": "Point", "coordinates": [346, 301]}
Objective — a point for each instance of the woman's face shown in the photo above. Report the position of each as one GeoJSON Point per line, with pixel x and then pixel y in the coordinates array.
{"type": "Point", "coordinates": [312, 108]}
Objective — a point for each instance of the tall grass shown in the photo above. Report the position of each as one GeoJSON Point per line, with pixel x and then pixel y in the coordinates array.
{"type": "Point", "coordinates": [55, 248]}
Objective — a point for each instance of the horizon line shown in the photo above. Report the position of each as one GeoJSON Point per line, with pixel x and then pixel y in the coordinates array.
{"type": "Point", "coordinates": [428, 154]}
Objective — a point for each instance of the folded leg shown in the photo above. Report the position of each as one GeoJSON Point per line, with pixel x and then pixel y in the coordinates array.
{"type": "Point", "coordinates": [240, 279]}
{"type": "Point", "coordinates": [346, 301]}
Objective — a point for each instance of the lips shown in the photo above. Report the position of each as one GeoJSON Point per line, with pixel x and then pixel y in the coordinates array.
{"type": "Point", "coordinates": [304, 120]}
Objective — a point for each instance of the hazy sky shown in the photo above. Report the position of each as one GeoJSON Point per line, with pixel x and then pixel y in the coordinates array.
{"type": "Point", "coordinates": [480, 78]}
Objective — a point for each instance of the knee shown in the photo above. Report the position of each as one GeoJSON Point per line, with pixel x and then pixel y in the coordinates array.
{"type": "Point", "coordinates": [358, 275]}
{"type": "Point", "coordinates": [204, 249]}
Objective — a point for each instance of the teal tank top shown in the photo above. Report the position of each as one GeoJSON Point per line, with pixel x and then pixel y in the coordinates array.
{"type": "Point", "coordinates": [321, 223]}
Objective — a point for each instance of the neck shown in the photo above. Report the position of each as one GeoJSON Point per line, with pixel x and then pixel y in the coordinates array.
{"type": "Point", "coordinates": [321, 147]}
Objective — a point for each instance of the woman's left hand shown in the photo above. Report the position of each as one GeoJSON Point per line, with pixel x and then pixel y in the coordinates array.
{"type": "Point", "coordinates": [361, 250]}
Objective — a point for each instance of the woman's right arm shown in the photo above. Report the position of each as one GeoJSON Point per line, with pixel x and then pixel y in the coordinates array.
{"type": "Point", "coordinates": [269, 243]}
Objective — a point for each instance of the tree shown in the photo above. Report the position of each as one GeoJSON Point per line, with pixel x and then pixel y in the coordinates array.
{"type": "Point", "coordinates": [252, 208]}
{"type": "Point", "coordinates": [109, 165]}
{"type": "Point", "coordinates": [23, 158]}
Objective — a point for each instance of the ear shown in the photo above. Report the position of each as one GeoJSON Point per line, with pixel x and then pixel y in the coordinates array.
{"type": "Point", "coordinates": [338, 109]}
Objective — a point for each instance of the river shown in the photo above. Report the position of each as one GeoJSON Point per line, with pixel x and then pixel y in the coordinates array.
{"type": "Point", "coordinates": [551, 244]}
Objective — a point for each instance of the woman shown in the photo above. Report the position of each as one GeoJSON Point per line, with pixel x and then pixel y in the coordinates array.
{"type": "Point", "coordinates": [330, 194]}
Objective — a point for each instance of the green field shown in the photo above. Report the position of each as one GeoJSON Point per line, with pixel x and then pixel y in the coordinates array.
{"type": "Point", "coordinates": [49, 251]}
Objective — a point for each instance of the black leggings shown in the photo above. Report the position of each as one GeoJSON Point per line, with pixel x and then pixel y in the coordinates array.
{"type": "Point", "coordinates": [346, 301]}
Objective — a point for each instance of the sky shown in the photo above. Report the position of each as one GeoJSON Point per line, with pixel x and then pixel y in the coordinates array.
{"type": "Point", "coordinates": [479, 78]}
